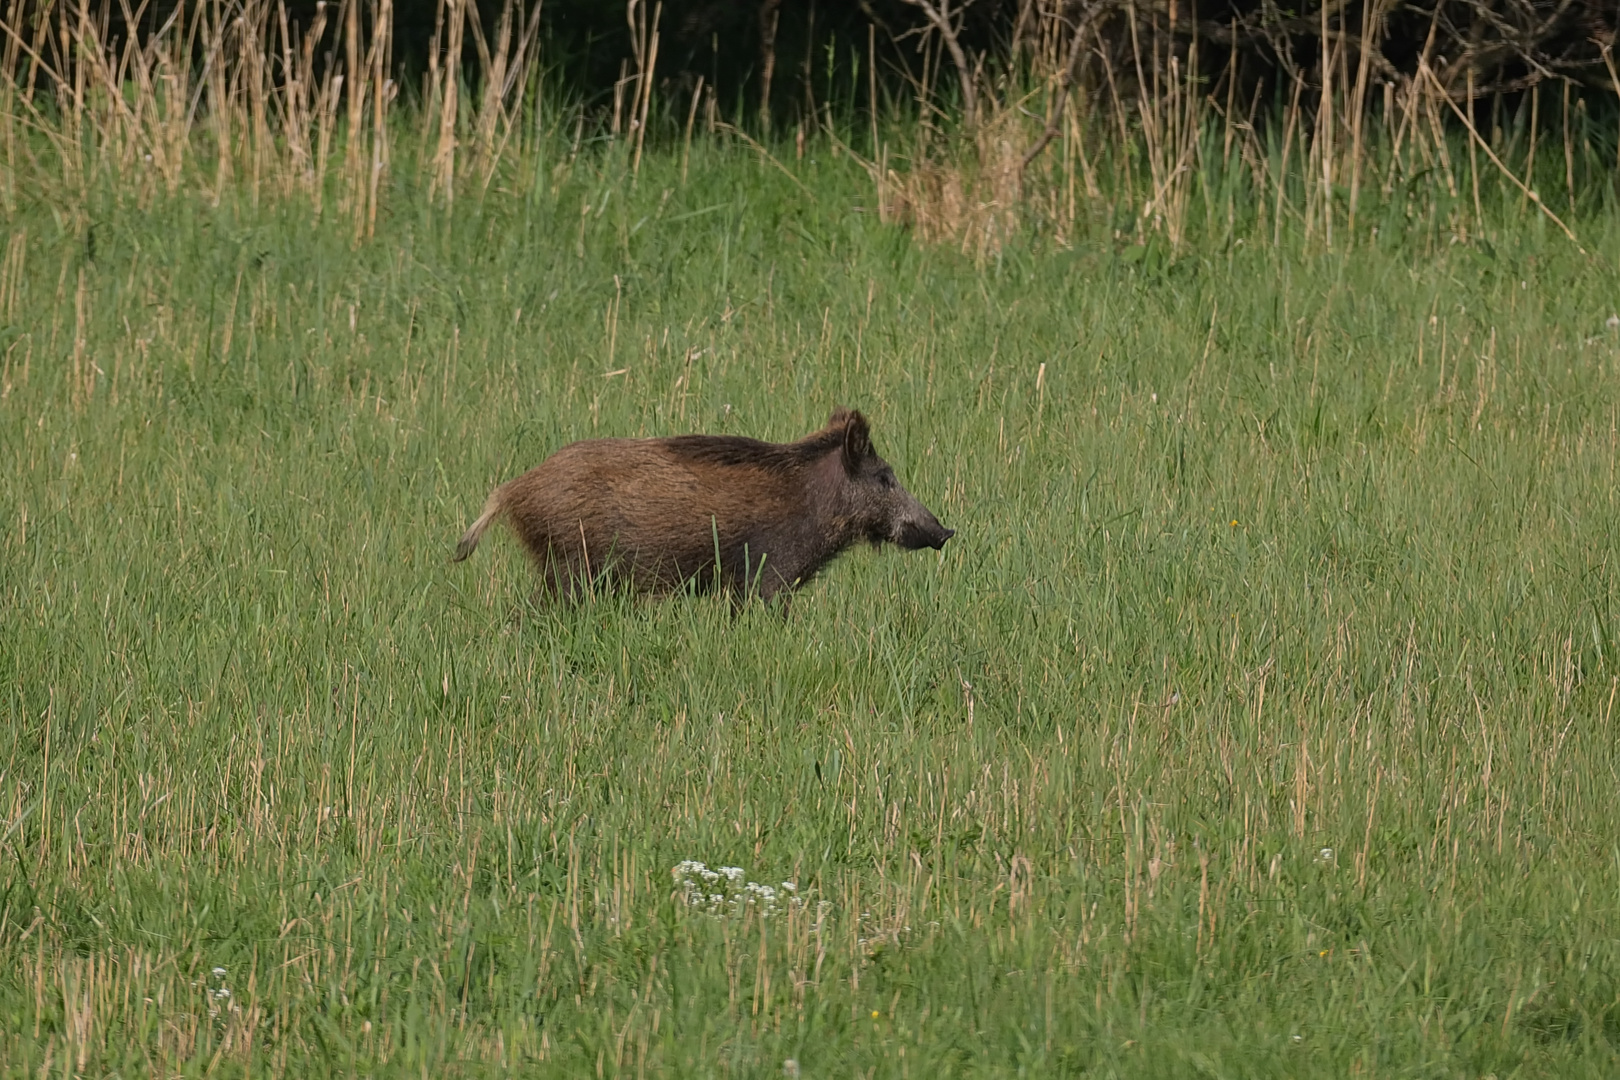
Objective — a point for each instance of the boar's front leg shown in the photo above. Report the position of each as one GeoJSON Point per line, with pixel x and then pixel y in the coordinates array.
{"type": "Point", "coordinates": [776, 590]}
{"type": "Point", "coordinates": [759, 578]}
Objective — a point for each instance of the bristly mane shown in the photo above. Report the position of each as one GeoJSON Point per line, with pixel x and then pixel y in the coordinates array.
{"type": "Point", "coordinates": [736, 450]}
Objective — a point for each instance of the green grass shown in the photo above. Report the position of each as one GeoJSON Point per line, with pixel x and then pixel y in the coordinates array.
{"type": "Point", "coordinates": [1288, 550]}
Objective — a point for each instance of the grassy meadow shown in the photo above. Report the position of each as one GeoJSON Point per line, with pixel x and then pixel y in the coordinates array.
{"type": "Point", "coordinates": [1258, 721]}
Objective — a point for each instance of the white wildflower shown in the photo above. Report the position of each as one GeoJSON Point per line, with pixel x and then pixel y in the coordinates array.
{"type": "Point", "coordinates": [727, 890]}
{"type": "Point", "coordinates": [219, 995]}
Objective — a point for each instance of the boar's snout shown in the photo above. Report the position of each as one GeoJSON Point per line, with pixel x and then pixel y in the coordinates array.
{"type": "Point", "coordinates": [924, 531]}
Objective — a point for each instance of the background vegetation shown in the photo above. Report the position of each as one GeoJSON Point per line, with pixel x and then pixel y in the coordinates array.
{"type": "Point", "coordinates": [1257, 721]}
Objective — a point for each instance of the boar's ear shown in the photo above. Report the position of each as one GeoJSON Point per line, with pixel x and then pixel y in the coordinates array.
{"type": "Point", "coordinates": [857, 442]}
{"type": "Point", "coordinates": [839, 417]}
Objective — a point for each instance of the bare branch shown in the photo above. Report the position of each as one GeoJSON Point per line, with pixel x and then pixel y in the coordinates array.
{"type": "Point", "coordinates": [940, 15]}
{"type": "Point", "coordinates": [1060, 96]}
{"type": "Point", "coordinates": [1507, 172]}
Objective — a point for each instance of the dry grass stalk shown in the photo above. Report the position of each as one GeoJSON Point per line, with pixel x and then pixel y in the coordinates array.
{"type": "Point", "coordinates": [1170, 117]}
{"type": "Point", "coordinates": [83, 369]}
{"type": "Point", "coordinates": [506, 72]}
{"type": "Point", "coordinates": [1569, 151]}
{"type": "Point", "coordinates": [380, 61]}
{"type": "Point", "coordinates": [1322, 142]}
{"type": "Point", "coordinates": [1372, 28]}
{"type": "Point", "coordinates": [491, 111]}
{"type": "Point", "coordinates": [444, 84]}
{"type": "Point", "coordinates": [691, 118]}
{"type": "Point", "coordinates": [11, 274]}
{"type": "Point", "coordinates": [10, 54]}
{"type": "Point", "coordinates": [644, 44]}
{"type": "Point", "coordinates": [1614, 82]}
{"type": "Point", "coordinates": [1530, 154]}
{"type": "Point", "coordinates": [355, 189]}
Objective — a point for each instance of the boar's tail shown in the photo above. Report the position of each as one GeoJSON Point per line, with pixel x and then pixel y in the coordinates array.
{"type": "Point", "coordinates": [469, 539]}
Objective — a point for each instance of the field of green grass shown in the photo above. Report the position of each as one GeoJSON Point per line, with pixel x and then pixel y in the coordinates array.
{"type": "Point", "coordinates": [1258, 721]}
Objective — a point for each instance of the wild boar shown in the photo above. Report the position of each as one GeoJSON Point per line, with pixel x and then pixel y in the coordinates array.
{"type": "Point", "coordinates": [707, 511]}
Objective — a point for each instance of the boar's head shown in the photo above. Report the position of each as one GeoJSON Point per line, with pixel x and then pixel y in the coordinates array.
{"type": "Point", "coordinates": [878, 507]}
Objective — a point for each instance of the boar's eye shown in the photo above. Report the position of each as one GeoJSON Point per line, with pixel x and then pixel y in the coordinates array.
{"type": "Point", "coordinates": [886, 478]}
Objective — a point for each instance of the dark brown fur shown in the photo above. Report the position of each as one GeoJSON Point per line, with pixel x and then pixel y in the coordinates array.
{"type": "Point", "coordinates": [657, 514]}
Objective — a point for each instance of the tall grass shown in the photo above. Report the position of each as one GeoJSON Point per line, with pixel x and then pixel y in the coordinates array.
{"type": "Point", "coordinates": [1258, 720]}
{"type": "Point", "coordinates": [1063, 134]}
{"type": "Point", "coordinates": [217, 98]}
